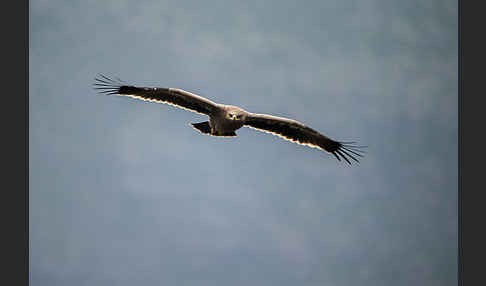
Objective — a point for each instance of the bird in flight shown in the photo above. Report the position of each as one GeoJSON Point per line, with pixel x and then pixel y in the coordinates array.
{"type": "Point", "coordinates": [224, 120]}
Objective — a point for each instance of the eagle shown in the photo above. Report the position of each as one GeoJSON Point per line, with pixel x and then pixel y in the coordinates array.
{"type": "Point", "coordinates": [224, 120]}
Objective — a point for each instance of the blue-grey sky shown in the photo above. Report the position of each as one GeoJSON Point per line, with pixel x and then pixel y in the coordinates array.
{"type": "Point", "coordinates": [125, 192]}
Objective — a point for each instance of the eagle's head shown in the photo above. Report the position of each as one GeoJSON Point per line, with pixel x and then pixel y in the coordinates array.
{"type": "Point", "coordinates": [235, 113]}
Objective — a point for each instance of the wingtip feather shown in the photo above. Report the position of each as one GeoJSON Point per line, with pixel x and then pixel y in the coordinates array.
{"type": "Point", "coordinates": [106, 85]}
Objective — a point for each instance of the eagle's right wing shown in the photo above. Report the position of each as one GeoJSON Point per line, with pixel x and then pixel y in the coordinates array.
{"type": "Point", "coordinates": [173, 96]}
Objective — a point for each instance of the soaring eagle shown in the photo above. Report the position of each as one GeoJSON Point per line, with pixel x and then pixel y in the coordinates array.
{"type": "Point", "coordinates": [224, 120]}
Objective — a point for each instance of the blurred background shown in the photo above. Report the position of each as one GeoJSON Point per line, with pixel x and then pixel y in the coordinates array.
{"type": "Point", "coordinates": [125, 192]}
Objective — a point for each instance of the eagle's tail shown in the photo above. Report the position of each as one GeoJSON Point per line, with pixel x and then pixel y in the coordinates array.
{"type": "Point", "coordinates": [204, 128]}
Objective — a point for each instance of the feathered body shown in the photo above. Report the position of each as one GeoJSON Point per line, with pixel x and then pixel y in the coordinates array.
{"type": "Point", "coordinates": [227, 119]}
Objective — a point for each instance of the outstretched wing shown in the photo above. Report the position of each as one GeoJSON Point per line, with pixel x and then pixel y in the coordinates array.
{"type": "Point", "coordinates": [297, 132]}
{"type": "Point", "coordinates": [172, 96]}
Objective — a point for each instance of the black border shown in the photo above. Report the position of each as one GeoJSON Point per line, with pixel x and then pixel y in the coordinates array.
{"type": "Point", "coordinates": [15, 118]}
{"type": "Point", "coordinates": [471, 122]}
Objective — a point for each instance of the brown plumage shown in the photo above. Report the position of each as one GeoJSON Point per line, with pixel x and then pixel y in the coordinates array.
{"type": "Point", "coordinates": [224, 120]}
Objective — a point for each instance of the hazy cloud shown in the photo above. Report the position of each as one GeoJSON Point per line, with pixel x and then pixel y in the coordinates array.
{"type": "Point", "coordinates": [125, 192]}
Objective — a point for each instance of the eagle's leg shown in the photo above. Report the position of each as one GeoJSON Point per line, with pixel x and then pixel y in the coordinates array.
{"type": "Point", "coordinates": [227, 134]}
{"type": "Point", "coordinates": [223, 134]}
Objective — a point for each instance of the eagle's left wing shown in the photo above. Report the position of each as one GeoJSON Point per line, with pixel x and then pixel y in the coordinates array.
{"type": "Point", "coordinates": [297, 132]}
{"type": "Point", "coordinates": [173, 96]}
